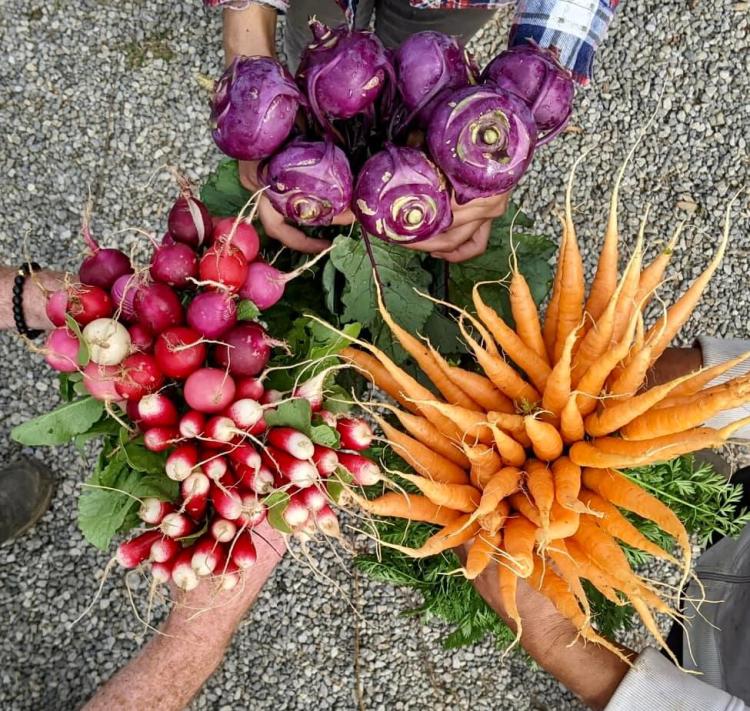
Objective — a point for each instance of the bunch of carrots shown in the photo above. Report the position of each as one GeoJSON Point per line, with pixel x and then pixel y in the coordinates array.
{"type": "Point", "coordinates": [521, 459]}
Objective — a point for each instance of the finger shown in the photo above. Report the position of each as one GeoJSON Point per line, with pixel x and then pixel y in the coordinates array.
{"type": "Point", "coordinates": [345, 218]}
{"type": "Point", "coordinates": [449, 240]}
{"type": "Point", "coordinates": [248, 173]}
{"type": "Point", "coordinates": [471, 248]}
{"type": "Point", "coordinates": [286, 234]}
{"type": "Point", "coordinates": [479, 209]}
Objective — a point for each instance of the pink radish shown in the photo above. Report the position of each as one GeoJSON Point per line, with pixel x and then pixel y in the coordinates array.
{"type": "Point", "coordinates": [209, 390]}
{"type": "Point", "coordinates": [228, 504]}
{"type": "Point", "coordinates": [158, 307]}
{"type": "Point", "coordinates": [176, 525]}
{"type": "Point", "coordinates": [364, 471]}
{"type": "Point", "coordinates": [141, 339]}
{"type": "Point", "coordinates": [264, 285]}
{"type": "Point", "coordinates": [244, 455]}
{"type": "Point", "coordinates": [183, 575]}
{"type": "Point", "coordinates": [123, 293]}
{"type": "Point", "coordinates": [87, 303]}
{"type": "Point", "coordinates": [246, 350]}
{"type": "Point", "coordinates": [297, 471]}
{"type": "Point", "coordinates": [164, 549]}
{"type": "Point", "coordinates": [242, 549]}
{"type": "Point", "coordinates": [254, 511]}
{"type": "Point", "coordinates": [174, 265]}
{"type": "Point", "coordinates": [179, 351]}
{"type": "Point", "coordinates": [157, 410]}
{"type": "Point", "coordinates": [103, 266]}
{"type": "Point", "coordinates": [140, 376]}
{"type": "Point", "coordinates": [328, 418]}
{"type": "Point", "coordinates": [325, 459]}
{"type": "Point", "coordinates": [162, 572]}
{"type": "Point", "coordinates": [194, 490]}
{"type": "Point", "coordinates": [208, 555]}
{"type": "Point", "coordinates": [243, 236]}
{"type": "Point", "coordinates": [189, 221]}
{"type": "Point", "coordinates": [355, 433]}
{"type": "Point", "coordinates": [272, 396]}
{"type": "Point", "coordinates": [222, 530]}
{"type": "Point", "coordinates": [212, 314]}
{"type": "Point", "coordinates": [100, 380]}
{"type": "Point", "coordinates": [312, 497]}
{"type": "Point", "coordinates": [312, 390]}
{"type": "Point", "coordinates": [327, 522]}
{"type": "Point", "coordinates": [132, 553]}
{"type": "Point", "coordinates": [182, 461]}
{"type": "Point", "coordinates": [245, 413]}
{"type": "Point", "coordinates": [214, 466]}
{"type": "Point", "coordinates": [291, 441]}
{"type": "Point", "coordinates": [107, 340]}
{"type": "Point", "coordinates": [160, 439]}
{"type": "Point", "coordinates": [250, 388]}
{"type": "Point", "coordinates": [224, 265]}
{"type": "Point", "coordinates": [296, 513]}
{"type": "Point", "coordinates": [192, 424]}
{"type": "Point", "coordinates": [62, 350]}
{"type": "Point", "coordinates": [56, 307]}
{"type": "Point", "coordinates": [153, 510]}
{"type": "Point", "coordinates": [260, 479]}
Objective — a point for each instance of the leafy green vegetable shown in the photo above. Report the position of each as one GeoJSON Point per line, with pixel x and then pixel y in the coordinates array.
{"type": "Point", "coordinates": [60, 425]}
{"type": "Point", "coordinates": [222, 193]}
{"type": "Point", "coordinates": [277, 503]}
{"type": "Point", "coordinates": [83, 349]}
{"type": "Point", "coordinates": [247, 310]}
{"type": "Point", "coordinates": [67, 385]}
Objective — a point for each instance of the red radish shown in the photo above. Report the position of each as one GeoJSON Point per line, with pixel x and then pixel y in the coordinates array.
{"type": "Point", "coordinates": [87, 303]}
{"type": "Point", "coordinates": [141, 338]}
{"type": "Point", "coordinates": [103, 266]}
{"type": "Point", "coordinates": [167, 239]}
{"type": "Point", "coordinates": [243, 236]}
{"type": "Point", "coordinates": [364, 471]}
{"type": "Point", "coordinates": [264, 285]}
{"type": "Point", "coordinates": [230, 576]}
{"type": "Point", "coordinates": [194, 490]}
{"type": "Point", "coordinates": [179, 351]}
{"type": "Point", "coordinates": [242, 550]}
{"type": "Point", "coordinates": [209, 390]}
{"type": "Point", "coordinates": [192, 424]}
{"type": "Point", "coordinates": [212, 314]}
{"type": "Point", "coordinates": [306, 532]}
{"type": "Point", "coordinates": [258, 428]}
{"type": "Point", "coordinates": [228, 481]}
{"type": "Point", "coordinates": [245, 413]}
{"type": "Point", "coordinates": [157, 410]}
{"type": "Point", "coordinates": [296, 513]}
{"type": "Point", "coordinates": [62, 350]}
{"type": "Point", "coordinates": [355, 433]}
{"type": "Point", "coordinates": [107, 340]}
{"type": "Point", "coordinates": [123, 293]}
{"type": "Point", "coordinates": [132, 553]}
{"type": "Point", "coordinates": [174, 265]}
{"type": "Point", "coordinates": [312, 497]}
{"type": "Point", "coordinates": [327, 522]}
{"type": "Point", "coordinates": [214, 466]}
{"type": "Point", "coordinates": [244, 455]}
{"type": "Point", "coordinates": [325, 459]}
{"type": "Point", "coordinates": [182, 461]}
{"type": "Point", "coordinates": [160, 439]}
{"type": "Point", "coordinates": [312, 390]}
{"type": "Point", "coordinates": [208, 555]}
{"type": "Point", "coordinates": [153, 510]}
{"type": "Point", "coordinates": [176, 525]}
{"type": "Point", "coordinates": [183, 575]}
{"type": "Point", "coordinates": [251, 388]}
{"type": "Point", "coordinates": [222, 530]}
{"type": "Point", "coordinates": [162, 572]}
{"type": "Point", "coordinates": [164, 549]}
{"type": "Point", "coordinates": [297, 471]}
{"type": "Point", "coordinates": [189, 221]}
{"type": "Point", "coordinates": [272, 396]}
{"type": "Point", "coordinates": [328, 418]}
{"type": "Point", "coordinates": [246, 350]}
{"type": "Point", "coordinates": [140, 376]}
{"type": "Point", "coordinates": [56, 307]}
{"type": "Point", "coordinates": [220, 430]}
{"type": "Point", "coordinates": [224, 265]}
{"type": "Point", "coordinates": [254, 511]}
{"type": "Point", "coordinates": [157, 307]}
{"type": "Point", "coordinates": [288, 439]}
{"type": "Point", "coordinates": [100, 380]}
{"type": "Point", "coordinates": [228, 504]}
{"type": "Point", "coordinates": [260, 479]}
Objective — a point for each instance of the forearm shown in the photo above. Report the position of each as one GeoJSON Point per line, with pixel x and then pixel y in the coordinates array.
{"type": "Point", "coordinates": [34, 297]}
{"type": "Point", "coordinates": [249, 32]}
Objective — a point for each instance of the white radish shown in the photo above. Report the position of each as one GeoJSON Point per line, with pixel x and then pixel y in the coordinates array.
{"type": "Point", "coordinates": [108, 341]}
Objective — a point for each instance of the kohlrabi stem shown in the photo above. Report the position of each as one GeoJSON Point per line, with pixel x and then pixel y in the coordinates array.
{"type": "Point", "coordinates": [374, 264]}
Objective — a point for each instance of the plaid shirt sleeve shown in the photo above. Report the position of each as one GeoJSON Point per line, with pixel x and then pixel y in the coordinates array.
{"type": "Point", "coordinates": [574, 27]}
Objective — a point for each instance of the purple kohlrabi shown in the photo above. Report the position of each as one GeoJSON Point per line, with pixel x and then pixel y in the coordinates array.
{"type": "Point", "coordinates": [536, 75]}
{"type": "Point", "coordinates": [401, 196]}
{"type": "Point", "coordinates": [483, 138]}
{"type": "Point", "coordinates": [309, 182]}
{"type": "Point", "coordinates": [254, 107]}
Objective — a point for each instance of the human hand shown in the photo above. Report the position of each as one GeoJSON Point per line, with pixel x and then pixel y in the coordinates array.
{"type": "Point", "coordinates": [469, 233]}
{"type": "Point", "coordinates": [674, 363]}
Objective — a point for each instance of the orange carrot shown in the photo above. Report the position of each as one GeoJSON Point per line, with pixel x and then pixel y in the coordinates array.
{"type": "Point", "coordinates": [549, 328]}
{"type": "Point", "coordinates": [545, 439]}
{"type": "Point", "coordinates": [410, 506]}
{"type": "Point", "coordinates": [470, 423]}
{"type": "Point", "coordinates": [508, 583]}
{"type": "Point", "coordinates": [459, 497]}
{"type": "Point", "coordinates": [567, 480]}
{"type": "Point", "coordinates": [557, 389]}
{"type": "Point", "coordinates": [525, 313]}
{"type": "Point", "coordinates": [485, 462]}
{"type": "Point", "coordinates": [504, 483]}
{"type": "Point", "coordinates": [511, 451]}
{"type": "Point", "coordinates": [605, 552]}
{"type": "Point", "coordinates": [704, 376]}
{"type": "Point", "coordinates": [571, 422]}
{"type": "Point", "coordinates": [495, 520]}
{"type": "Point", "coordinates": [569, 573]}
{"type": "Point", "coordinates": [541, 486]}
{"type": "Point", "coordinates": [652, 275]}
{"type": "Point", "coordinates": [370, 368]}
{"type": "Point", "coordinates": [589, 570]}
{"type": "Point", "coordinates": [481, 554]}
{"type": "Point", "coordinates": [626, 303]}
{"type": "Point", "coordinates": [520, 502]}
{"type": "Point", "coordinates": [451, 536]}
{"type": "Point", "coordinates": [518, 542]}
{"type": "Point", "coordinates": [562, 524]}
{"type": "Point", "coordinates": [571, 295]}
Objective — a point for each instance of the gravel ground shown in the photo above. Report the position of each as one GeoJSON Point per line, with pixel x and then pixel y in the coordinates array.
{"type": "Point", "coordinates": [96, 96]}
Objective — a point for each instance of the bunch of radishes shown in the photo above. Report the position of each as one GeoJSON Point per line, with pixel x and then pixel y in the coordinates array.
{"type": "Point", "coordinates": [166, 345]}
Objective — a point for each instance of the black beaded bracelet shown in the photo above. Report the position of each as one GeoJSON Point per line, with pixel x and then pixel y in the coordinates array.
{"type": "Point", "coordinates": [24, 271]}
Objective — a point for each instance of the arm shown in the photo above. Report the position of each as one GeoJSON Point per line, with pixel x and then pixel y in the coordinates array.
{"type": "Point", "coordinates": [251, 31]}
{"type": "Point", "coordinates": [171, 669]}
{"type": "Point", "coordinates": [34, 297]}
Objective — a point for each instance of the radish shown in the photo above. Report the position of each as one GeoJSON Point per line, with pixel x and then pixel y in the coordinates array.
{"type": "Point", "coordinates": [228, 504]}
{"type": "Point", "coordinates": [328, 418]}
{"type": "Point", "coordinates": [140, 376]}
{"type": "Point", "coordinates": [243, 236]}
{"type": "Point", "coordinates": [209, 390]}
{"type": "Point", "coordinates": [123, 293]}
{"type": "Point", "coordinates": [260, 479]}
{"type": "Point", "coordinates": [212, 314]}
{"type": "Point", "coordinates": [194, 490]}
{"type": "Point", "coordinates": [100, 381]}
{"type": "Point", "coordinates": [189, 221]}
{"type": "Point", "coordinates": [157, 410]}
{"type": "Point", "coordinates": [174, 265]}
{"type": "Point", "coordinates": [312, 497]}
{"type": "Point", "coordinates": [183, 575]}
{"type": "Point", "coordinates": [192, 424]}
{"type": "Point", "coordinates": [167, 239]}
{"type": "Point", "coordinates": [364, 471]}
{"type": "Point", "coordinates": [258, 428]}
{"type": "Point", "coordinates": [154, 510]}
{"type": "Point", "coordinates": [264, 284]}
{"type": "Point", "coordinates": [87, 303]}
{"type": "Point", "coordinates": [176, 525]}
{"type": "Point", "coordinates": [159, 439]}
{"type": "Point", "coordinates": [291, 441]}
{"type": "Point", "coordinates": [251, 388]}
{"type": "Point", "coordinates": [164, 549]}
{"type": "Point", "coordinates": [300, 473]}
{"type": "Point", "coordinates": [230, 576]}
{"type": "Point", "coordinates": [132, 553]}
{"type": "Point", "coordinates": [108, 341]}
{"type": "Point", "coordinates": [312, 390]}
{"type": "Point", "coordinates": [243, 550]}
{"type": "Point", "coordinates": [179, 351]}
{"type": "Point", "coordinates": [254, 511]}
{"type": "Point", "coordinates": [325, 459]}
{"type": "Point", "coordinates": [222, 530]}
{"type": "Point", "coordinates": [141, 338]}
{"type": "Point", "coordinates": [102, 267]}
{"type": "Point", "coordinates": [157, 307]}
{"type": "Point", "coordinates": [245, 413]}
{"type": "Point", "coordinates": [214, 466]}
{"type": "Point", "coordinates": [224, 265]}
{"type": "Point", "coordinates": [162, 572]}
{"type": "Point", "coordinates": [56, 307]}
{"type": "Point", "coordinates": [61, 350]}
{"type": "Point", "coordinates": [272, 396]}
{"type": "Point", "coordinates": [208, 555]}
{"type": "Point", "coordinates": [246, 349]}
{"type": "Point", "coordinates": [244, 455]}
{"type": "Point", "coordinates": [220, 430]}
{"type": "Point", "coordinates": [327, 522]}
{"type": "Point", "coordinates": [296, 513]}
{"type": "Point", "coordinates": [355, 433]}
{"type": "Point", "coordinates": [182, 461]}
{"type": "Point", "coordinates": [228, 481]}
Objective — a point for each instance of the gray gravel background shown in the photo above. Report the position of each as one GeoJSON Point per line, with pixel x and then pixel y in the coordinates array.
{"type": "Point", "coordinates": [96, 96]}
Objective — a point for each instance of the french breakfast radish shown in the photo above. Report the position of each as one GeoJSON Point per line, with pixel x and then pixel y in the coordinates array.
{"type": "Point", "coordinates": [227, 502]}
{"type": "Point", "coordinates": [245, 413]}
{"type": "Point", "coordinates": [183, 575]}
{"type": "Point", "coordinates": [364, 471]}
{"type": "Point", "coordinates": [222, 530]}
{"type": "Point", "coordinates": [157, 410]}
{"type": "Point", "coordinates": [355, 433]}
{"type": "Point", "coordinates": [192, 424]}
{"type": "Point", "coordinates": [130, 554]}
{"type": "Point", "coordinates": [325, 459]}
{"type": "Point", "coordinates": [208, 556]}
{"type": "Point", "coordinates": [164, 549]}
{"type": "Point", "coordinates": [182, 461]}
{"type": "Point", "coordinates": [250, 388]}
{"type": "Point", "coordinates": [160, 439]}
{"type": "Point", "coordinates": [214, 466]}
{"type": "Point", "coordinates": [289, 440]}
{"type": "Point", "coordinates": [298, 472]}
{"type": "Point", "coordinates": [176, 525]}
{"type": "Point", "coordinates": [243, 550]}
{"type": "Point", "coordinates": [153, 510]}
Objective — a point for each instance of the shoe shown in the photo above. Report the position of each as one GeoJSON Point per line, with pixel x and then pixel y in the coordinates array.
{"type": "Point", "coordinates": [26, 487]}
